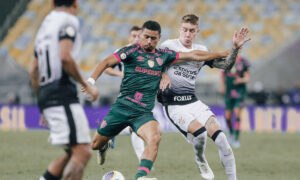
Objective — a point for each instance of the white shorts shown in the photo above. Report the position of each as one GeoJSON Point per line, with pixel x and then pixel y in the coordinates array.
{"type": "Point", "coordinates": [182, 115]}
{"type": "Point", "coordinates": [68, 125]}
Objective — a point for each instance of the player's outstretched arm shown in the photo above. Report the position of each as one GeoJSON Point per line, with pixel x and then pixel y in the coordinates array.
{"type": "Point", "coordinates": [198, 55]}
{"type": "Point", "coordinates": [71, 68]}
{"type": "Point", "coordinates": [239, 39]}
{"type": "Point", "coordinates": [111, 71]}
{"type": "Point", "coordinates": [107, 62]}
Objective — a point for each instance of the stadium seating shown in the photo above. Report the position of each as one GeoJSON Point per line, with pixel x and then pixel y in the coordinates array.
{"type": "Point", "coordinates": [105, 25]}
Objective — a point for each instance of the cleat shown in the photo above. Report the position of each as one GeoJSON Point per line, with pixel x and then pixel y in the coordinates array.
{"type": "Point", "coordinates": [145, 178]}
{"type": "Point", "coordinates": [205, 171]}
{"type": "Point", "coordinates": [101, 155]}
{"type": "Point", "coordinates": [236, 144]}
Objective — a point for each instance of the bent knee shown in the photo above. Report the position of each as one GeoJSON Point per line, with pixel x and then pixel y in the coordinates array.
{"type": "Point", "coordinates": [83, 151]}
{"type": "Point", "coordinates": [155, 139]}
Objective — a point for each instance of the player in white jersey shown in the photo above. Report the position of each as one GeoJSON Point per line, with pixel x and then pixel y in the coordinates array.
{"type": "Point", "coordinates": [137, 142]}
{"type": "Point", "coordinates": [53, 77]}
{"type": "Point", "coordinates": [193, 118]}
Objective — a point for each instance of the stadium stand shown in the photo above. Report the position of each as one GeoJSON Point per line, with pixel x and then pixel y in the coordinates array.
{"type": "Point", "coordinates": [105, 25]}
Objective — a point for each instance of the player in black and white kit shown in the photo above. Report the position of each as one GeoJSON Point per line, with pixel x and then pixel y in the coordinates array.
{"type": "Point", "coordinates": [193, 118]}
{"type": "Point", "coordinates": [53, 78]}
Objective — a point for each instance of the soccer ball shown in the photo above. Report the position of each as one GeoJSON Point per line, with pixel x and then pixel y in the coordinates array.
{"type": "Point", "coordinates": [113, 175]}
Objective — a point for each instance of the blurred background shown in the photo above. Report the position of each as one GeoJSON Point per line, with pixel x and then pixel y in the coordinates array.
{"type": "Point", "coordinates": [273, 52]}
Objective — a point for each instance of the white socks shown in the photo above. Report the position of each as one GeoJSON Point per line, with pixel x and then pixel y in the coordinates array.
{"type": "Point", "coordinates": [137, 144]}
{"type": "Point", "coordinates": [199, 145]}
{"type": "Point", "coordinates": [226, 155]}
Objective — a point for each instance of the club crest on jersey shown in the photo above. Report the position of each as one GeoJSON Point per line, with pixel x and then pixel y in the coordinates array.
{"type": "Point", "coordinates": [151, 63]}
{"type": "Point", "coordinates": [138, 96]}
{"type": "Point", "coordinates": [159, 61]}
{"type": "Point", "coordinates": [123, 56]}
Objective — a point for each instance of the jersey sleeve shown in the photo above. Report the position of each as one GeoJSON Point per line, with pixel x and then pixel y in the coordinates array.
{"type": "Point", "coordinates": [68, 32]}
{"type": "Point", "coordinates": [125, 54]}
{"type": "Point", "coordinates": [172, 56]}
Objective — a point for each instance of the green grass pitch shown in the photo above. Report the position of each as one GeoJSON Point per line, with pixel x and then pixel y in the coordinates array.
{"type": "Point", "coordinates": [276, 156]}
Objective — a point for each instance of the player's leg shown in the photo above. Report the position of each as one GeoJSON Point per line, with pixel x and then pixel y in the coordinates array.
{"type": "Point", "coordinates": [80, 156]}
{"type": "Point", "coordinates": [111, 125]}
{"type": "Point", "coordinates": [228, 117]}
{"type": "Point", "coordinates": [225, 151]}
{"type": "Point", "coordinates": [69, 128]}
{"type": "Point", "coordinates": [79, 142]}
{"type": "Point", "coordinates": [101, 144]}
{"type": "Point", "coordinates": [198, 138]}
{"type": "Point", "coordinates": [237, 127]}
{"type": "Point", "coordinates": [56, 167]}
{"type": "Point", "coordinates": [150, 132]}
{"type": "Point", "coordinates": [187, 119]}
{"type": "Point", "coordinates": [138, 145]}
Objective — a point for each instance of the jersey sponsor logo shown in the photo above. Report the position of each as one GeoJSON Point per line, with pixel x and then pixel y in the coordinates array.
{"type": "Point", "coordinates": [103, 124]}
{"type": "Point", "coordinates": [140, 58]}
{"type": "Point", "coordinates": [123, 56]}
{"type": "Point", "coordinates": [138, 96]}
{"type": "Point", "coordinates": [159, 61]}
{"type": "Point", "coordinates": [151, 63]}
{"type": "Point", "coordinates": [147, 71]}
{"type": "Point", "coordinates": [183, 98]}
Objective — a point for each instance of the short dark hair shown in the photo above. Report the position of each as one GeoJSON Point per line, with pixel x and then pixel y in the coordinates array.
{"type": "Point", "coordinates": [135, 28]}
{"type": "Point", "coordinates": [67, 3]}
{"type": "Point", "coordinates": [190, 18]}
{"type": "Point", "coordinates": [152, 25]}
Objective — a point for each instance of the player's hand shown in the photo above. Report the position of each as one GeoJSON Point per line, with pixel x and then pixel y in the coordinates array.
{"type": "Point", "coordinates": [83, 89]}
{"type": "Point", "coordinates": [92, 91]}
{"type": "Point", "coordinates": [165, 82]}
{"type": "Point", "coordinates": [43, 121]}
{"type": "Point", "coordinates": [240, 38]}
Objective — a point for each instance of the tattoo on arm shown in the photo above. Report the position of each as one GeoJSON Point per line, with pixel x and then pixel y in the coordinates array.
{"type": "Point", "coordinates": [228, 62]}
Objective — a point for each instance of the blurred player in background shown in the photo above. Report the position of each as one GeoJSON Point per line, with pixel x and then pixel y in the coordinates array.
{"type": "Point", "coordinates": [142, 74]}
{"type": "Point", "coordinates": [191, 117]}
{"type": "Point", "coordinates": [53, 78]}
{"type": "Point", "coordinates": [233, 86]}
{"type": "Point", "coordinates": [137, 143]}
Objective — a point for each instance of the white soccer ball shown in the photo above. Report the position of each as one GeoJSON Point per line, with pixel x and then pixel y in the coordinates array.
{"type": "Point", "coordinates": [113, 175]}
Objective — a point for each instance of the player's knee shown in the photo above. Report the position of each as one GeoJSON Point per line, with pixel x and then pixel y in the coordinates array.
{"type": "Point", "coordinates": [82, 152]}
{"type": "Point", "coordinates": [155, 139]}
{"type": "Point", "coordinates": [212, 125]}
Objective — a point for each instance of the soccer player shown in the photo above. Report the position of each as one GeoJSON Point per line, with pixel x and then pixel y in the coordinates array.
{"type": "Point", "coordinates": [193, 118]}
{"type": "Point", "coordinates": [143, 66]}
{"type": "Point", "coordinates": [53, 77]}
{"type": "Point", "coordinates": [137, 142]}
{"type": "Point", "coordinates": [233, 86]}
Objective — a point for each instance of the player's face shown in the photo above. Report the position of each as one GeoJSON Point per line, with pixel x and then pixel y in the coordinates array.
{"type": "Point", "coordinates": [134, 37]}
{"type": "Point", "coordinates": [149, 39]}
{"type": "Point", "coordinates": [187, 33]}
